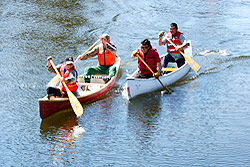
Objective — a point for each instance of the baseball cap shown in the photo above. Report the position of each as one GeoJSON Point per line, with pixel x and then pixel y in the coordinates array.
{"type": "Point", "coordinates": [69, 60]}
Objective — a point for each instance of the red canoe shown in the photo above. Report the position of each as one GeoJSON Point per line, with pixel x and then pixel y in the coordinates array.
{"type": "Point", "coordinates": [89, 92]}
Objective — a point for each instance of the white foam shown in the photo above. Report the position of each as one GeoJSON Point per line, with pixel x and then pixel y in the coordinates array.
{"type": "Point", "coordinates": [77, 131]}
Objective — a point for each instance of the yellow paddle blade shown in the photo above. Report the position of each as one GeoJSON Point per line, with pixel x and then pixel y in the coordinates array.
{"type": "Point", "coordinates": [169, 69]}
{"type": "Point", "coordinates": [75, 104]}
{"type": "Point", "coordinates": [195, 66]}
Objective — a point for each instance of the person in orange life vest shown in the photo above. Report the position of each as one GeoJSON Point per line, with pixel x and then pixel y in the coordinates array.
{"type": "Point", "coordinates": [178, 39]}
{"type": "Point", "coordinates": [106, 52]}
{"type": "Point", "coordinates": [69, 76]}
{"type": "Point", "coordinates": [151, 57]}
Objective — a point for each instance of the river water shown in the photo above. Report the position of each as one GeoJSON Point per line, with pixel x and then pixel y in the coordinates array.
{"type": "Point", "coordinates": [204, 122]}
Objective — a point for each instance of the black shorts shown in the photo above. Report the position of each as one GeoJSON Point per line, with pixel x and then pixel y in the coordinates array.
{"type": "Point", "coordinates": [54, 91]}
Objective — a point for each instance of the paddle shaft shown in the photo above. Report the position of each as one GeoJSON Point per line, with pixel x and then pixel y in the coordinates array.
{"type": "Point", "coordinates": [77, 107]}
{"type": "Point", "coordinates": [88, 49]}
{"type": "Point", "coordinates": [175, 48]}
{"type": "Point", "coordinates": [195, 66]}
{"type": "Point", "coordinates": [55, 80]}
{"type": "Point", "coordinates": [153, 73]}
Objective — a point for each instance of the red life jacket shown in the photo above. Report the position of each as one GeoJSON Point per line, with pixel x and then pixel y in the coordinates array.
{"type": "Point", "coordinates": [175, 40]}
{"type": "Point", "coordinates": [149, 59]}
{"type": "Point", "coordinates": [105, 58]}
{"type": "Point", "coordinates": [65, 73]}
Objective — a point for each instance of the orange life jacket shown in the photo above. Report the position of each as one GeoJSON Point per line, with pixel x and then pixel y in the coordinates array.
{"type": "Point", "coordinates": [105, 57]}
{"type": "Point", "coordinates": [65, 73]}
{"type": "Point", "coordinates": [175, 40]}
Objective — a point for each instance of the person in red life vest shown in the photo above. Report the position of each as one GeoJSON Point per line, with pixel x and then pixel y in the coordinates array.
{"type": "Point", "coordinates": [178, 39]}
{"type": "Point", "coordinates": [106, 52]}
{"type": "Point", "coordinates": [151, 57]}
{"type": "Point", "coordinates": [69, 76]}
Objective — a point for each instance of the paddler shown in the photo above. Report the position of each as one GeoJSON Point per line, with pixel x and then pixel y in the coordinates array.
{"type": "Point", "coordinates": [69, 75]}
{"type": "Point", "coordinates": [150, 57]}
{"type": "Point", "coordinates": [178, 39]}
{"type": "Point", "coordinates": [106, 52]}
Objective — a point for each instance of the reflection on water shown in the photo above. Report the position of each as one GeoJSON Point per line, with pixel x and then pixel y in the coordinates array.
{"type": "Point", "coordinates": [143, 115]}
{"type": "Point", "coordinates": [62, 131]}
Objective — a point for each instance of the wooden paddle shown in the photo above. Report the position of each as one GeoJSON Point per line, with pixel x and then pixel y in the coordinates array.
{"type": "Point", "coordinates": [55, 80]}
{"type": "Point", "coordinates": [195, 66]}
{"type": "Point", "coordinates": [76, 105]}
{"type": "Point", "coordinates": [168, 90]}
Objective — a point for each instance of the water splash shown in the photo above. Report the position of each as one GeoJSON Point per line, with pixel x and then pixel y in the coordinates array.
{"type": "Point", "coordinates": [217, 52]}
{"type": "Point", "coordinates": [124, 92]}
{"type": "Point", "coordinates": [77, 131]}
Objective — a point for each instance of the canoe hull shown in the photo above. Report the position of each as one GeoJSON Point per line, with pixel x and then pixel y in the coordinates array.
{"type": "Point", "coordinates": [138, 86]}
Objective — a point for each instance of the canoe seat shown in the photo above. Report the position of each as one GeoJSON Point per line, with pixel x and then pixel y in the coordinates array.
{"type": "Point", "coordinates": [169, 69]}
{"type": "Point", "coordinates": [87, 84]}
{"type": "Point", "coordinates": [98, 78]}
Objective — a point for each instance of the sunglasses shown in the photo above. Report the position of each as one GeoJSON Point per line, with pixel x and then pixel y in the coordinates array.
{"type": "Point", "coordinates": [144, 47]}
